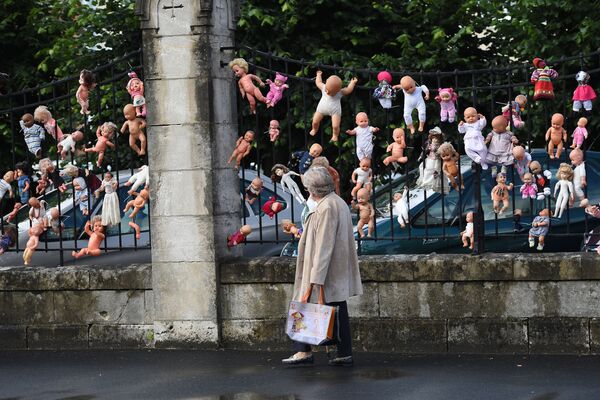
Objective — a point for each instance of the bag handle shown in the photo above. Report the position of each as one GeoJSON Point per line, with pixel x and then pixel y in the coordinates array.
{"type": "Point", "coordinates": [306, 296]}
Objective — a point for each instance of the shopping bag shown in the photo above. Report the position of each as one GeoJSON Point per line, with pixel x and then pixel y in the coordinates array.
{"type": "Point", "coordinates": [310, 323]}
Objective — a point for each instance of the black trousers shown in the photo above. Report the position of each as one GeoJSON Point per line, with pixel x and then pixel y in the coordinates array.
{"type": "Point", "coordinates": [341, 327]}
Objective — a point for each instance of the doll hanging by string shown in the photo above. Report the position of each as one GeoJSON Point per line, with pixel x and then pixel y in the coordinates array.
{"type": "Point", "coordinates": [81, 195]}
{"type": "Point", "coordinates": [542, 180]}
{"type": "Point", "coordinates": [287, 226]}
{"type": "Point", "coordinates": [556, 135]}
{"type": "Point", "coordinates": [584, 94]}
{"type": "Point", "coordinates": [276, 89]}
{"type": "Point", "coordinates": [396, 148]}
{"type": "Point", "coordinates": [401, 207]}
{"type": "Point", "coordinates": [522, 160]}
{"type": "Point", "coordinates": [253, 190]}
{"type": "Point", "coordinates": [384, 93]}
{"type": "Point", "coordinates": [500, 143]}
{"type": "Point", "coordinates": [8, 238]}
{"type": "Point", "coordinates": [564, 188]}
{"type": "Point", "coordinates": [104, 133]}
{"type": "Point", "coordinates": [362, 177]}
{"type": "Point", "coordinates": [471, 127]}
{"type": "Point", "coordinates": [272, 207]}
{"type": "Point", "coordinates": [135, 88]}
{"type": "Point", "coordinates": [68, 144]}
{"type": "Point", "coordinates": [87, 82]}
{"type": "Point", "coordinates": [280, 173]}
{"type": "Point", "coordinates": [239, 236]}
{"type": "Point", "coordinates": [364, 136]}
{"type": "Point", "coordinates": [303, 159]}
{"type": "Point", "coordinates": [141, 177]}
{"type": "Point", "coordinates": [22, 172]}
{"type": "Point", "coordinates": [513, 111]}
{"type": "Point", "coordinates": [44, 117]}
{"type": "Point", "coordinates": [539, 228]}
{"type": "Point", "coordinates": [413, 99]}
{"type": "Point", "coordinates": [450, 158]}
{"type": "Point", "coordinates": [330, 103]}
{"type": "Point", "coordinates": [96, 237]}
{"type": "Point", "coordinates": [32, 244]}
{"type": "Point", "coordinates": [500, 193]}
{"type": "Point", "coordinates": [33, 133]}
{"type": "Point", "coordinates": [447, 98]}
{"type": "Point", "coordinates": [580, 133]}
{"type": "Point", "coordinates": [48, 169]}
{"type": "Point", "coordinates": [135, 125]}
{"type": "Point", "coordinates": [242, 148]}
{"type": "Point", "coordinates": [529, 188]}
{"type": "Point", "coordinates": [366, 212]}
{"type": "Point", "coordinates": [111, 213]}
{"type": "Point", "coordinates": [430, 169]}
{"type": "Point", "coordinates": [239, 66]}
{"type": "Point", "coordinates": [273, 130]}
{"type": "Point", "coordinates": [137, 204]}
{"type": "Point", "coordinates": [542, 78]}
{"type": "Point", "coordinates": [5, 184]}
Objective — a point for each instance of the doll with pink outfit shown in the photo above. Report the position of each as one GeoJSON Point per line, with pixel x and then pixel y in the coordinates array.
{"type": "Point", "coordinates": [580, 133]}
{"type": "Point", "coordinates": [529, 188]}
{"type": "Point", "coordinates": [135, 88]}
{"type": "Point", "coordinates": [384, 93]}
{"type": "Point", "coordinates": [276, 89]}
{"type": "Point", "coordinates": [447, 98]}
{"type": "Point", "coordinates": [584, 94]}
{"type": "Point", "coordinates": [44, 117]}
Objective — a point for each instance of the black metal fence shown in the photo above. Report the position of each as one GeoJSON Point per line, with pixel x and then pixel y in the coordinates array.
{"type": "Point", "coordinates": [436, 217]}
{"type": "Point", "coordinates": [106, 102]}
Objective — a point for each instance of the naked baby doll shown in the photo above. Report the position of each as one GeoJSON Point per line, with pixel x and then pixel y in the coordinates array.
{"type": "Point", "coordinates": [96, 238]}
{"type": "Point", "coordinates": [239, 66]}
{"type": "Point", "coordinates": [242, 148]}
{"type": "Point", "coordinates": [137, 204]}
{"type": "Point", "coordinates": [471, 127]}
{"type": "Point", "coordinates": [290, 228]}
{"type": "Point", "coordinates": [362, 176]}
{"type": "Point", "coordinates": [396, 148]}
{"type": "Point", "coordinates": [556, 135]}
{"type": "Point", "coordinates": [87, 82]}
{"type": "Point", "coordinates": [33, 134]}
{"type": "Point", "coordinates": [500, 193]}
{"type": "Point", "coordinates": [468, 234]}
{"type": "Point", "coordinates": [68, 144]}
{"type": "Point", "coordinates": [273, 130]}
{"type": "Point", "coordinates": [366, 212]}
{"type": "Point", "coordinates": [104, 133]}
{"type": "Point", "coordinates": [413, 99]}
{"type": "Point", "coordinates": [135, 126]}
{"type": "Point", "coordinates": [364, 136]}
{"type": "Point", "coordinates": [35, 232]}
{"type": "Point", "coordinates": [330, 103]}
{"type": "Point", "coordinates": [450, 158]}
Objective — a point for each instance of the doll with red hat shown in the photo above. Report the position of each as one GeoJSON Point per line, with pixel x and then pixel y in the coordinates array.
{"type": "Point", "coordinates": [272, 207]}
{"type": "Point", "coordinates": [384, 92]}
{"type": "Point", "coordinates": [542, 78]}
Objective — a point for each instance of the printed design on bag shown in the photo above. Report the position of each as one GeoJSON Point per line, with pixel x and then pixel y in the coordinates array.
{"type": "Point", "coordinates": [298, 325]}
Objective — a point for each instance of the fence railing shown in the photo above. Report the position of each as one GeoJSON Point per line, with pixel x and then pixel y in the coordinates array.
{"type": "Point", "coordinates": [106, 102]}
{"type": "Point", "coordinates": [437, 217]}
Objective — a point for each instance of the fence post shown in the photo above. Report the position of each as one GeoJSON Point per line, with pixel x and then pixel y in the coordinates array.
{"type": "Point", "coordinates": [478, 216]}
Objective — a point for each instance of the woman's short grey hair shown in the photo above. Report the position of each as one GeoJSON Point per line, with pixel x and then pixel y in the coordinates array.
{"type": "Point", "coordinates": [318, 181]}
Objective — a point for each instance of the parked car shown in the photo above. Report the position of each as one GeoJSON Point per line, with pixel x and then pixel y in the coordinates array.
{"type": "Point", "coordinates": [436, 221]}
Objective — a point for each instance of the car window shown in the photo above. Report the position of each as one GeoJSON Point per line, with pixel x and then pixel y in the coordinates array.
{"type": "Point", "coordinates": [435, 214]}
{"type": "Point", "coordinates": [141, 218]}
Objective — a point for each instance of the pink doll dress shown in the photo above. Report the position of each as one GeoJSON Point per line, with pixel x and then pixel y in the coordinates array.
{"type": "Point", "coordinates": [529, 190]}
{"type": "Point", "coordinates": [584, 93]}
{"type": "Point", "coordinates": [579, 135]}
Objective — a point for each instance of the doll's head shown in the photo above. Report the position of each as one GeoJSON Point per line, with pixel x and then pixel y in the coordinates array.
{"type": "Point", "coordinates": [42, 114]}
{"type": "Point", "coordinates": [384, 76]}
{"type": "Point", "coordinates": [499, 124]}
{"type": "Point", "coordinates": [34, 202]}
{"type": "Point", "coordinates": [46, 166]}
{"type": "Point", "coordinates": [79, 183]}
{"type": "Point", "coordinates": [557, 121]}
{"type": "Point", "coordinates": [521, 100]}
{"type": "Point", "coordinates": [97, 226]}
{"type": "Point", "coordinates": [398, 196]}
{"type": "Point", "coordinates": [129, 112]}
{"type": "Point", "coordinates": [277, 171]}
{"type": "Point", "coordinates": [408, 84]}
{"type": "Point", "coordinates": [518, 153]}
{"type": "Point", "coordinates": [582, 77]}
{"type": "Point", "coordinates": [9, 176]}
{"type": "Point", "coordinates": [246, 230]}
{"type": "Point", "coordinates": [135, 84]}
{"type": "Point", "coordinates": [398, 135]}
{"type": "Point", "coordinates": [286, 225]}
{"type": "Point", "coordinates": [315, 150]}
{"type": "Point", "coordinates": [54, 214]}
{"type": "Point", "coordinates": [249, 136]}
{"type": "Point", "coordinates": [27, 120]}
{"type": "Point", "coordinates": [447, 152]}
{"type": "Point", "coordinates": [276, 207]}
{"type": "Point", "coordinates": [108, 176]}
{"type": "Point", "coordinates": [363, 195]}
{"type": "Point", "coordinates": [274, 124]}
{"type": "Point", "coordinates": [365, 164]}
{"type": "Point", "coordinates": [501, 178]}
{"type": "Point", "coordinates": [447, 94]}
{"type": "Point", "coordinates": [257, 184]}
{"type": "Point", "coordinates": [333, 85]}
{"type": "Point", "coordinates": [527, 177]}
{"type": "Point", "coordinates": [362, 119]}
{"type": "Point", "coordinates": [470, 216]}
{"type": "Point", "coordinates": [320, 162]}
{"type": "Point", "coordinates": [576, 156]}
{"type": "Point", "coordinates": [470, 114]}
{"type": "Point", "coordinates": [280, 79]}
{"type": "Point", "coordinates": [145, 193]}
{"type": "Point", "coordinates": [539, 63]}
{"type": "Point", "coordinates": [10, 231]}
{"type": "Point", "coordinates": [564, 172]}
{"type": "Point", "coordinates": [535, 167]}
{"type": "Point", "coordinates": [544, 213]}
{"type": "Point", "coordinates": [70, 170]}
{"type": "Point", "coordinates": [108, 129]}
{"type": "Point", "coordinates": [19, 171]}
{"type": "Point", "coordinates": [435, 138]}
{"type": "Point", "coordinates": [87, 78]}
{"type": "Point", "coordinates": [239, 66]}
{"type": "Point", "coordinates": [582, 122]}
{"type": "Point", "coordinates": [77, 136]}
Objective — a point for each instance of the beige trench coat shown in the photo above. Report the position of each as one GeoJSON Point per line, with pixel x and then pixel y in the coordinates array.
{"type": "Point", "coordinates": [327, 252]}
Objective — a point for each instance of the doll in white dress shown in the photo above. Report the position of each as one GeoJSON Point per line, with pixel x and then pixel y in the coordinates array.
{"type": "Point", "coordinates": [281, 173]}
{"type": "Point", "coordinates": [111, 213]}
{"type": "Point", "coordinates": [471, 127]}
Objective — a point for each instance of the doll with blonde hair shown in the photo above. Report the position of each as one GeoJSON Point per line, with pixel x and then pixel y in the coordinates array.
{"type": "Point", "coordinates": [239, 66]}
{"type": "Point", "coordinates": [44, 117]}
{"type": "Point", "coordinates": [564, 188]}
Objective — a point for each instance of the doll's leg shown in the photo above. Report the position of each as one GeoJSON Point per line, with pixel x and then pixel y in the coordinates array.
{"type": "Point", "coordinates": [422, 115]}
{"type": "Point", "coordinates": [359, 228]}
{"type": "Point", "coordinates": [496, 206]}
{"type": "Point", "coordinates": [558, 207]}
{"type": "Point", "coordinates": [443, 115]}
{"type": "Point", "coordinates": [408, 118]}
{"type": "Point", "coordinates": [136, 228]}
{"type": "Point", "coordinates": [551, 149]}
{"type": "Point", "coordinates": [316, 122]}
{"type": "Point", "coordinates": [371, 228]}
{"type": "Point", "coordinates": [540, 245]}
{"type": "Point", "coordinates": [259, 96]}
{"type": "Point", "coordinates": [100, 158]}
{"type": "Point", "coordinates": [142, 144]}
{"type": "Point", "coordinates": [133, 144]}
{"type": "Point", "coordinates": [388, 160]}
{"type": "Point", "coordinates": [472, 239]}
{"type": "Point", "coordinates": [252, 102]}
{"type": "Point", "coordinates": [14, 212]}
{"type": "Point", "coordinates": [94, 252]}
{"type": "Point", "coordinates": [336, 120]}
{"type": "Point", "coordinates": [587, 104]}
{"type": "Point", "coordinates": [233, 155]}
{"type": "Point", "coordinates": [531, 241]}
{"type": "Point", "coordinates": [79, 254]}
{"type": "Point", "coordinates": [269, 98]}
{"type": "Point", "coordinates": [465, 239]}
{"type": "Point", "coordinates": [355, 189]}
{"type": "Point", "coordinates": [134, 212]}
{"type": "Point", "coordinates": [451, 114]}
{"type": "Point", "coordinates": [559, 148]}
{"type": "Point", "coordinates": [504, 206]}
{"type": "Point", "coordinates": [576, 105]}
{"type": "Point", "coordinates": [128, 205]}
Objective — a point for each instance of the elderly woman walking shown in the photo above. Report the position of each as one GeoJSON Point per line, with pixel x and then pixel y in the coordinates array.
{"type": "Point", "coordinates": [327, 257]}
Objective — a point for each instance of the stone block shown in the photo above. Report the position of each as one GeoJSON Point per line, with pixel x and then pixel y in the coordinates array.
{"type": "Point", "coordinates": [387, 268]}
{"type": "Point", "coordinates": [99, 307]}
{"type": "Point", "coordinates": [547, 299]}
{"type": "Point", "coordinates": [58, 337]}
{"type": "Point", "coordinates": [491, 267]}
{"type": "Point", "coordinates": [32, 278]}
{"type": "Point", "coordinates": [590, 266]}
{"type": "Point", "coordinates": [367, 305]}
{"type": "Point", "coordinates": [176, 201]}
{"type": "Point", "coordinates": [136, 276]}
{"type": "Point", "coordinates": [178, 239]}
{"type": "Point", "coordinates": [483, 336]}
{"type": "Point", "coordinates": [170, 91]}
{"type": "Point", "coordinates": [258, 270]}
{"type": "Point", "coordinates": [18, 308]}
{"type": "Point", "coordinates": [121, 336]}
{"type": "Point", "coordinates": [255, 301]}
{"type": "Point", "coordinates": [579, 299]}
{"type": "Point", "coordinates": [194, 155]}
{"type": "Point", "coordinates": [545, 267]}
{"type": "Point", "coordinates": [252, 334]}
{"type": "Point", "coordinates": [404, 299]}
{"type": "Point", "coordinates": [595, 335]}
{"type": "Point", "coordinates": [559, 336]}
{"type": "Point", "coordinates": [185, 291]}
{"type": "Point", "coordinates": [225, 225]}
{"type": "Point", "coordinates": [399, 335]}
{"type": "Point", "coordinates": [186, 334]}
{"type": "Point", "coordinates": [226, 193]}
{"type": "Point", "coordinates": [13, 337]}
{"type": "Point", "coordinates": [176, 57]}
{"type": "Point", "coordinates": [148, 307]}
{"type": "Point", "coordinates": [521, 300]}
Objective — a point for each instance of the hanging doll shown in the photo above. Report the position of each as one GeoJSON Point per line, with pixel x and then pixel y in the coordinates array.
{"type": "Point", "coordinates": [447, 98]}
{"type": "Point", "coordinates": [239, 236]}
{"type": "Point", "coordinates": [323, 162]}
{"type": "Point", "coordinates": [37, 211]}
{"type": "Point", "coordinates": [304, 159]}
{"type": "Point", "coordinates": [522, 160]}
{"type": "Point", "coordinates": [450, 158]}
{"type": "Point", "coordinates": [81, 196]}
{"type": "Point", "coordinates": [137, 204]}
{"type": "Point", "coordinates": [44, 117]}
{"type": "Point", "coordinates": [91, 180]}
{"type": "Point", "coordinates": [539, 229]}
{"type": "Point", "coordinates": [239, 66]}
{"type": "Point", "coordinates": [35, 232]}
{"type": "Point", "coordinates": [413, 99]}
{"type": "Point", "coordinates": [542, 179]}
{"type": "Point", "coordinates": [141, 177]}
{"type": "Point", "coordinates": [584, 94]}
{"type": "Point", "coordinates": [135, 126]}
{"type": "Point", "coordinates": [87, 82]}
{"type": "Point", "coordinates": [42, 184]}
{"type": "Point", "coordinates": [272, 207]}
{"type": "Point", "coordinates": [253, 190]}
{"type": "Point", "coordinates": [242, 148]}
{"type": "Point", "coordinates": [396, 148]}
{"type": "Point", "coordinates": [23, 181]}
{"type": "Point", "coordinates": [96, 238]}
{"type": "Point", "coordinates": [542, 77]}
{"type": "Point", "coordinates": [564, 188]}
{"type": "Point", "coordinates": [529, 188]}
{"type": "Point", "coordinates": [362, 177]}
{"type": "Point", "coordinates": [281, 173]}
{"type": "Point", "coordinates": [5, 184]}
{"type": "Point", "coordinates": [556, 135]}
{"type": "Point", "coordinates": [514, 109]}
{"type": "Point", "coordinates": [500, 193]}
{"type": "Point", "coordinates": [364, 136]}
{"type": "Point", "coordinates": [366, 213]}
{"type": "Point", "coordinates": [135, 88]}
{"type": "Point", "coordinates": [276, 89]}
{"type": "Point", "coordinates": [33, 134]}
{"type": "Point", "coordinates": [273, 130]}
{"type": "Point", "coordinates": [500, 144]}
{"type": "Point", "coordinates": [69, 143]}
{"type": "Point", "coordinates": [290, 228]}
{"type": "Point", "coordinates": [48, 169]}
{"type": "Point", "coordinates": [330, 103]}
{"type": "Point", "coordinates": [471, 127]}
{"type": "Point", "coordinates": [8, 238]}
{"type": "Point", "coordinates": [580, 133]}
{"type": "Point", "coordinates": [52, 220]}
{"type": "Point", "coordinates": [468, 235]}
{"type": "Point", "coordinates": [111, 213]}
{"type": "Point", "coordinates": [385, 93]}
{"type": "Point", "coordinates": [430, 170]}
{"type": "Point", "coordinates": [579, 176]}
{"type": "Point", "coordinates": [401, 207]}
{"type": "Point", "coordinates": [104, 133]}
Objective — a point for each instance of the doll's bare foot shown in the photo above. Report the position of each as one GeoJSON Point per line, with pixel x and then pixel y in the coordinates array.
{"type": "Point", "coordinates": [335, 138]}
{"type": "Point", "coordinates": [312, 132]}
{"type": "Point", "coordinates": [551, 157]}
{"type": "Point", "coordinates": [74, 254]}
{"type": "Point", "coordinates": [412, 130]}
{"type": "Point", "coordinates": [402, 226]}
{"type": "Point", "coordinates": [573, 146]}
{"type": "Point", "coordinates": [142, 152]}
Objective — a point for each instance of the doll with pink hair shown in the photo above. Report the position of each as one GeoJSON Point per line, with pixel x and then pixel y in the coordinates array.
{"type": "Point", "coordinates": [447, 98]}
{"type": "Point", "coordinates": [135, 88]}
{"type": "Point", "coordinates": [385, 93]}
{"type": "Point", "coordinates": [276, 89]}
{"type": "Point", "coordinates": [44, 117]}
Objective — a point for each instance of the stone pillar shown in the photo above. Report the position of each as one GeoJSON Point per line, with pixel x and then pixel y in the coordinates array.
{"type": "Point", "coordinates": [191, 130]}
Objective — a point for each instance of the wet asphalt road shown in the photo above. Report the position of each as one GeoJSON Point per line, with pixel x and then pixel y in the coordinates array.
{"type": "Point", "coordinates": [229, 375]}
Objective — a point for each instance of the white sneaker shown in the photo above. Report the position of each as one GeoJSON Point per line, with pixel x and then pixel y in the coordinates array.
{"type": "Point", "coordinates": [531, 242]}
{"type": "Point", "coordinates": [540, 247]}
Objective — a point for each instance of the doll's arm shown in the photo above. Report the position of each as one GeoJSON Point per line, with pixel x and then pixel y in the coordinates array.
{"type": "Point", "coordinates": [571, 190]}
{"type": "Point", "coordinates": [237, 143]}
{"type": "Point", "coordinates": [269, 82]}
{"type": "Point", "coordinates": [425, 90]}
{"type": "Point", "coordinates": [374, 129]}
{"type": "Point", "coordinates": [124, 127]}
{"type": "Point", "coordinates": [556, 188]}
{"type": "Point", "coordinates": [390, 147]}
{"type": "Point", "coordinates": [142, 123]}
{"type": "Point", "coordinates": [99, 132]}
{"type": "Point", "coordinates": [110, 144]}
{"type": "Point", "coordinates": [294, 173]}
{"type": "Point", "coordinates": [26, 188]}
{"type": "Point", "coordinates": [564, 135]}
{"type": "Point", "coordinates": [488, 138]}
{"type": "Point", "coordinates": [548, 134]}
{"type": "Point", "coordinates": [351, 131]}
{"type": "Point", "coordinates": [348, 89]}
{"type": "Point", "coordinates": [319, 80]}
{"type": "Point", "coordinates": [354, 177]}
{"type": "Point", "coordinates": [87, 229]}
{"type": "Point", "coordinates": [370, 175]}
{"type": "Point", "coordinates": [461, 127]}
{"type": "Point", "coordinates": [257, 79]}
